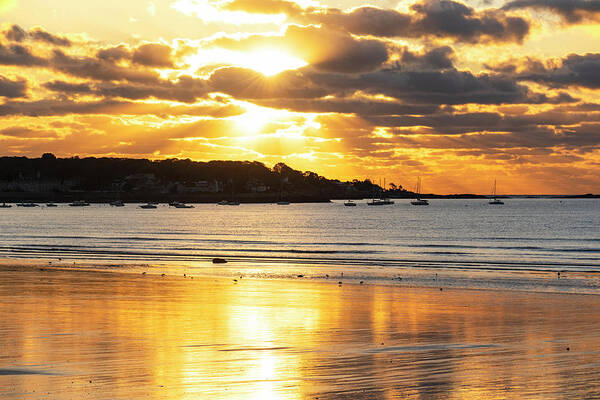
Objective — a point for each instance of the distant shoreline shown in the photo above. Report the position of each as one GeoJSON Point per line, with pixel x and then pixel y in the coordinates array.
{"type": "Point", "coordinates": [106, 197]}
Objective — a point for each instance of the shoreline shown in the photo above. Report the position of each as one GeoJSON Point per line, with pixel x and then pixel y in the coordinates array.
{"type": "Point", "coordinates": [534, 281]}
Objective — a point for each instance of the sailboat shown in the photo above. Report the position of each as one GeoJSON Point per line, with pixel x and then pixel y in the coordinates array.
{"type": "Point", "coordinates": [419, 201]}
{"type": "Point", "coordinates": [495, 201]}
{"type": "Point", "coordinates": [281, 201]}
{"type": "Point", "coordinates": [382, 200]}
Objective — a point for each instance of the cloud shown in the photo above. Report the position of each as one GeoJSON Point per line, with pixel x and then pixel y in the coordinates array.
{"type": "Point", "coordinates": [442, 19]}
{"type": "Point", "coordinates": [153, 55]}
{"type": "Point", "coordinates": [17, 34]}
{"type": "Point", "coordinates": [446, 18]}
{"type": "Point", "coordinates": [19, 55]}
{"type": "Point", "coordinates": [436, 58]}
{"type": "Point", "coordinates": [245, 83]}
{"type": "Point", "coordinates": [99, 69]}
{"type": "Point", "coordinates": [25, 132]}
{"type": "Point", "coordinates": [572, 11]}
{"type": "Point", "coordinates": [61, 107]}
{"type": "Point", "coordinates": [572, 70]}
{"type": "Point", "coordinates": [41, 35]}
{"type": "Point", "coordinates": [12, 89]}
{"type": "Point", "coordinates": [327, 49]}
{"type": "Point", "coordinates": [185, 89]}
{"type": "Point", "coordinates": [448, 86]}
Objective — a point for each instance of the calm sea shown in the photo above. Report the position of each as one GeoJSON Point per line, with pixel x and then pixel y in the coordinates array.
{"type": "Point", "coordinates": [524, 234]}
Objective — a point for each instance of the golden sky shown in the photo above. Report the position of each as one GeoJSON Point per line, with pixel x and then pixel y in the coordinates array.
{"type": "Point", "coordinates": [459, 93]}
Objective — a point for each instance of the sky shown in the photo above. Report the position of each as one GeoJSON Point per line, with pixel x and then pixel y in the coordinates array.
{"type": "Point", "coordinates": [459, 93]}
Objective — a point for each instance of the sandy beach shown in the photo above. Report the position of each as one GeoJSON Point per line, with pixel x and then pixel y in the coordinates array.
{"type": "Point", "coordinates": [103, 335]}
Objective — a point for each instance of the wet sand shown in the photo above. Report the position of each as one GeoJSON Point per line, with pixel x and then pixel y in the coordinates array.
{"type": "Point", "coordinates": [102, 335]}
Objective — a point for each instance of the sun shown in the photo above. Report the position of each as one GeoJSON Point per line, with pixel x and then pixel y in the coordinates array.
{"type": "Point", "coordinates": [270, 62]}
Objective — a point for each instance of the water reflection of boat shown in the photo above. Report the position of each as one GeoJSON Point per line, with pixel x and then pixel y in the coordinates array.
{"type": "Point", "coordinates": [148, 206]}
{"type": "Point", "coordinates": [117, 203]}
{"type": "Point", "coordinates": [51, 205]}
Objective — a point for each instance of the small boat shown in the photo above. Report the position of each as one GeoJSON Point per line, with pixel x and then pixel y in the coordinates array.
{"type": "Point", "coordinates": [4, 205]}
{"type": "Point", "coordinates": [27, 205]}
{"type": "Point", "coordinates": [51, 205]}
{"type": "Point", "coordinates": [495, 201]}
{"type": "Point", "coordinates": [419, 201]}
{"type": "Point", "coordinates": [350, 203]}
{"type": "Point", "coordinates": [148, 206]}
{"type": "Point", "coordinates": [79, 203]}
{"type": "Point", "coordinates": [117, 203]}
{"type": "Point", "coordinates": [182, 205]}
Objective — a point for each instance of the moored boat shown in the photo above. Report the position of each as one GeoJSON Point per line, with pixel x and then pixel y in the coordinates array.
{"type": "Point", "coordinates": [79, 203]}
{"type": "Point", "coordinates": [495, 201]}
{"type": "Point", "coordinates": [419, 201]}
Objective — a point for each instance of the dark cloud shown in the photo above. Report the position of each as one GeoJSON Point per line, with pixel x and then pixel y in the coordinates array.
{"type": "Point", "coordinates": [443, 18]}
{"type": "Point", "coordinates": [572, 11]}
{"type": "Point", "coordinates": [43, 36]}
{"type": "Point", "coordinates": [573, 70]}
{"type": "Point", "coordinates": [367, 21]}
{"type": "Point", "coordinates": [153, 55]}
{"type": "Point", "coordinates": [436, 58]}
{"type": "Point", "coordinates": [494, 122]}
{"type": "Point", "coordinates": [114, 54]}
{"type": "Point", "coordinates": [23, 132]}
{"type": "Point", "coordinates": [17, 34]}
{"type": "Point", "coordinates": [433, 87]}
{"type": "Point", "coordinates": [249, 84]}
{"type": "Point", "coordinates": [362, 107]}
{"type": "Point", "coordinates": [429, 18]}
{"type": "Point", "coordinates": [16, 54]}
{"type": "Point", "coordinates": [68, 88]}
{"type": "Point", "coordinates": [99, 69]}
{"type": "Point", "coordinates": [58, 107]}
{"type": "Point", "coordinates": [186, 89]}
{"type": "Point", "coordinates": [12, 89]}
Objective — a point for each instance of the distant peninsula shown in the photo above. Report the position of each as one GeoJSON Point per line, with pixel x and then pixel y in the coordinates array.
{"type": "Point", "coordinates": [49, 178]}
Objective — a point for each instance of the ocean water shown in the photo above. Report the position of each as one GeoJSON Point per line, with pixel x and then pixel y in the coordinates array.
{"type": "Point", "coordinates": [524, 234]}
